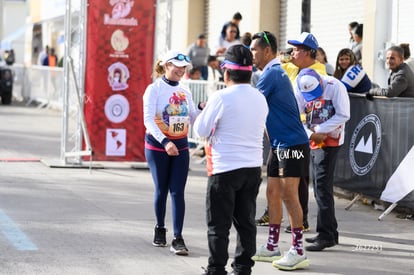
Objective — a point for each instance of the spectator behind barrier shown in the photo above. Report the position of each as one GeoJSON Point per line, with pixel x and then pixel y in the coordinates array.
{"type": "Point", "coordinates": [351, 73]}
{"type": "Point", "coordinates": [228, 41]}
{"type": "Point", "coordinates": [237, 17]}
{"type": "Point", "coordinates": [357, 46]}
{"type": "Point", "coordinates": [215, 73]}
{"type": "Point", "coordinates": [198, 53]}
{"type": "Point", "coordinates": [401, 79]}
{"type": "Point", "coordinates": [351, 26]}
{"type": "Point", "coordinates": [407, 55]}
{"type": "Point", "coordinates": [322, 58]}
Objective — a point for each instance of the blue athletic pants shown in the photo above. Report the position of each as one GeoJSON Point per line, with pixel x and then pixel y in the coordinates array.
{"type": "Point", "coordinates": [169, 174]}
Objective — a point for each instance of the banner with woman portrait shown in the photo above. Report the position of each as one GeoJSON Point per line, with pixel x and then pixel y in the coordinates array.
{"type": "Point", "coordinates": [120, 45]}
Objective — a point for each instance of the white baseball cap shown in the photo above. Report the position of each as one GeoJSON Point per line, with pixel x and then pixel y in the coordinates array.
{"type": "Point", "coordinates": [177, 58]}
{"type": "Point", "coordinates": [309, 84]}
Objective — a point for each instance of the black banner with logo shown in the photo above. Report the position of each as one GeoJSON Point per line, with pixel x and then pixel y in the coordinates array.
{"type": "Point", "coordinates": [378, 136]}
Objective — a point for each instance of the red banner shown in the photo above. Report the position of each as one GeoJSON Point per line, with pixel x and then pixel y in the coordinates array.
{"type": "Point", "coordinates": [120, 45]}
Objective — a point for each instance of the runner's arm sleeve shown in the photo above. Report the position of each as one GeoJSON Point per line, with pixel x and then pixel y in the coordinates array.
{"type": "Point", "coordinates": [150, 109]}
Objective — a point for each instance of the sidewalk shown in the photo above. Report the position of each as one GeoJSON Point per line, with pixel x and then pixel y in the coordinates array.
{"type": "Point", "coordinates": [81, 221]}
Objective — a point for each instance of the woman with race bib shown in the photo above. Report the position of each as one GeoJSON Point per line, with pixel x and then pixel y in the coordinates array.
{"type": "Point", "coordinates": [168, 112]}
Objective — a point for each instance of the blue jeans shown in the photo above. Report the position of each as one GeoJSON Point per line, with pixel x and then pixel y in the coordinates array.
{"type": "Point", "coordinates": [231, 199]}
{"type": "Point", "coordinates": [323, 166]}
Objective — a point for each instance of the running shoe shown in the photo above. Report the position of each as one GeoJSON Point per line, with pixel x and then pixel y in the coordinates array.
{"type": "Point", "coordinates": [291, 261]}
{"type": "Point", "coordinates": [305, 227]}
{"type": "Point", "coordinates": [264, 219]}
{"type": "Point", "coordinates": [265, 255]}
{"type": "Point", "coordinates": [178, 247]}
{"type": "Point", "coordinates": [159, 237]}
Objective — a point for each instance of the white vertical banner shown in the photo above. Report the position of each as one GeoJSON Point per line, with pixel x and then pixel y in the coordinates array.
{"type": "Point", "coordinates": [401, 183]}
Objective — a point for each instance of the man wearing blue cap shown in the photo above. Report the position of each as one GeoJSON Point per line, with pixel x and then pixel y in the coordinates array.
{"type": "Point", "coordinates": [303, 56]}
{"type": "Point", "coordinates": [325, 101]}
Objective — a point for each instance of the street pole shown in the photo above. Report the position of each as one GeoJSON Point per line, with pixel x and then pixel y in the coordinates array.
{"type": "Point", "coordinates": [306, 19]}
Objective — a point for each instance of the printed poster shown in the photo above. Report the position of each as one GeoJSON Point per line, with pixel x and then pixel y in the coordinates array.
{"type": "Point", "coordinates": [120, 45]}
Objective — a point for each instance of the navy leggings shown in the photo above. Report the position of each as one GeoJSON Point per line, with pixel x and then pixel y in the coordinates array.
{"type": "Point", "coordinates": [170, 175]}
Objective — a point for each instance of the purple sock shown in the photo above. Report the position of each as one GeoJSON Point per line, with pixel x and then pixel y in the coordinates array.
{"type": "Point", "coordinates": [297, 234]}
{"type": "Point", "coordinates": [273, 240]}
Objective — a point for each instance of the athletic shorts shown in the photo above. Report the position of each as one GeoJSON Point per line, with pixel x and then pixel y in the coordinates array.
{"type": "Point", "coordinates": [289, 162]}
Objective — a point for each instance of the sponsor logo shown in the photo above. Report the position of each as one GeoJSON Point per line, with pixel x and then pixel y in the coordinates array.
{"type": "Point", "coordinates": [120, 10]}
{"type": "Point", "coordinates": [118, 75]}
{"type": "Point", "coordinates": [119, 42]}
{"type": "Point", "coordinates": [365, 144]}
{"type": "Point", "coordinates": [307, 87]}
{"type": "Point", "coordinates": [115, 142]}
{"type": "Point", "coordinates": [116, 108]}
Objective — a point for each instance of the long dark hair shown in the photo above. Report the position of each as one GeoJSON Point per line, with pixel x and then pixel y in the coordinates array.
{"type": "Point", "coordinates": [339, 72]}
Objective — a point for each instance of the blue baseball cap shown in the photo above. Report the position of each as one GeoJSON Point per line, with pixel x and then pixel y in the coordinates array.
{"type": "Point", "coordinates": [305, 39]}
{"type": "Point", "coordinates": [309, 84]}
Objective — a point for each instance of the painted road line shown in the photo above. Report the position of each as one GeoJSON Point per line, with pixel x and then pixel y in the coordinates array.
{"type": "Point", "coordinates": [12, 232]}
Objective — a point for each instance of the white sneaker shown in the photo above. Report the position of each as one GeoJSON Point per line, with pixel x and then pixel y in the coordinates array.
{"type": "Point", "coordinates": [291, 261]}
{"type": "Point", "coordinates": [265, 255]}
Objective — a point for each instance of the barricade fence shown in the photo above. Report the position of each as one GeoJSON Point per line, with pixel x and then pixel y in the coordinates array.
{"type": "Point", "coordinates": [40, 84]}
{"type": "Point", "coordinates": [200, 91]}
{"type": "Point", "coordinates": [378, 136]}
{"type": "Point", "coordinates": [46, 85]}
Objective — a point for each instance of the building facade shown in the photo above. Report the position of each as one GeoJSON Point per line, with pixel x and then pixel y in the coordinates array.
{"type": "Point", "coordinates": [386, 22]}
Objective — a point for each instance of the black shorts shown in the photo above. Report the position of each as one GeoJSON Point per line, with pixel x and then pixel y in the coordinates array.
{"type": "Point", "coordinates": [289, 162]}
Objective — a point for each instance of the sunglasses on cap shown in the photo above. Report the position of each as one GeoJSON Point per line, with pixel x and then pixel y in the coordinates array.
{"type": "Point", "coordinates": [181, 57]}
{"type": "Point", "coordinates": [264, 36]}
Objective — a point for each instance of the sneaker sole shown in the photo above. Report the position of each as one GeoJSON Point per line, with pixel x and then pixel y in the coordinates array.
{"type": "Point", "coordinates": [179, 252]}
{"type": "Point", "coordinates": [159, 245]}
{"type": "Point", "coordinates": [257, 258]}
{"type": "Point", "coordinates": [300, 265]}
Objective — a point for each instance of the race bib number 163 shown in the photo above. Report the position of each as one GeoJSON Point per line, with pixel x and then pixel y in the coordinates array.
{"type": "Point", "coordinates": [178, 125]}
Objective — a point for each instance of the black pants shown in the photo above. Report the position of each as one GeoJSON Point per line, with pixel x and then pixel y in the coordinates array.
{"type": "Point", "coordinates": [323, 163]}
{"type": "Point", "coordinates": [231, 199]}
{"type": "Point", "coordinates": [304, 196]}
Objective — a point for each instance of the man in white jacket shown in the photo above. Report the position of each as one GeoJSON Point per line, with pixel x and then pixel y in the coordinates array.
{"type": "Point", "coordinates": [325, 102]}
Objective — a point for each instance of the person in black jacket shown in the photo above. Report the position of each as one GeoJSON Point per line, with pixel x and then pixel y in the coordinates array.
{"type": "Point", "coordinates": [401, 79]}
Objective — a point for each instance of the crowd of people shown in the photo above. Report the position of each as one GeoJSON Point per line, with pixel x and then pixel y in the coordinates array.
{"type": "Point", "coordinates": [301, 104]}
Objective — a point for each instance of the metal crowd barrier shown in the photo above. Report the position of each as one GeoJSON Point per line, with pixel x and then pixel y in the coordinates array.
{"type": "Point", "coordinates": [42, 85]}
{"type": "Point", "coordinates": [200, 90]}
{"type": "Point", "coordinates": [45, 85]}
